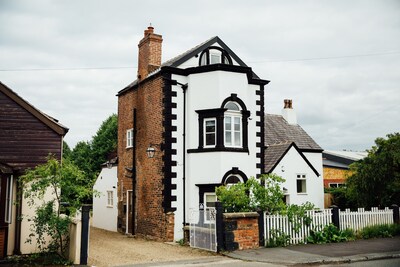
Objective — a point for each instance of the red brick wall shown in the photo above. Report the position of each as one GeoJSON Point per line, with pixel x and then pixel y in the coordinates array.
{"type": "Point", "coordinates": [2, 242]}
{"type": "Point", "coordinates": [151, 220]}
{"type": "Point", "coordinates": [245, 232]}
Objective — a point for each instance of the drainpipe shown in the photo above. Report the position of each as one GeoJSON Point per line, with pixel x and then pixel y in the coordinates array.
{"type": "Point", "coordinates": [134, 172]}
{"type": "Point", "coordinates": [184, 88]}
{"type": "Point", "coordinates": [18, 218]}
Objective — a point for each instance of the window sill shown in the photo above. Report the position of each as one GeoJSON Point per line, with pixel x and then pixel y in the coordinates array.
{"type": "Point", "coordinates": [302, 194]}
{"type": "Point", "coordinates": [108, 206]}
{"type": "Point", "coordinates": [128, 147]}
{"type": "Point", "coordinates": [218, 149]}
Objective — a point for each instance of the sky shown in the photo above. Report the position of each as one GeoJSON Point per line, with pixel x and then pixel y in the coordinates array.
{"type": "Point", "coordinates": [339, 61]}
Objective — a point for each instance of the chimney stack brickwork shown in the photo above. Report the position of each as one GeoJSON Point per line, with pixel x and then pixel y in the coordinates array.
{"type": "Point", "coordinates": [149, 53]}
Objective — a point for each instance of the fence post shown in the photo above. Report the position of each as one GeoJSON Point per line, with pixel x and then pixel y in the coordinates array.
{"type": "Point", "coordinates": [335, 216]}
{"type": "Point", "coordinates": [219, 224]}
{"type": "Point", "coordinates": [85, 234]}
{"type": "Point", "coordinates": [395, 208]}
{"type": "Point", "coordinates": [261, 221]}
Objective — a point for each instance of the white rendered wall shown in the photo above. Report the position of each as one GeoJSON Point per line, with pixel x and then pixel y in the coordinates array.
{"type": "Point", "coordinates": [208, 91]}
{"type": "Point", "coordinates": [104, 216]}
{"type": "Point", "coordinates": [29, 212]}
{"type": "Point", "coordinates": [294, 164]}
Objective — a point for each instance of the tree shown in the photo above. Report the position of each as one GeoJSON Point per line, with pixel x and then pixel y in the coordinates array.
{"type": "Point", "coordinates": [104, 142]}
{"type": "Point", "coordinates": [46, 187]}
{"type": "Point", "coordinates": [89, 156]}
{"type": "Point", "coordinates": [375, 181]}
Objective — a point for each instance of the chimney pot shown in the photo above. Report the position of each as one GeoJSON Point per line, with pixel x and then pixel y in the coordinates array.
{"type": "Point", "coordinates": [288, 113]}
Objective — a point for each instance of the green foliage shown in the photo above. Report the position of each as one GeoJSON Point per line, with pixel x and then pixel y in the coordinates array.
{"type": "Point", "coordinates": [89, 156]}
{"type": "Point", "coordinates": [263, 194]}
{"type": "Point", "coordinates": [297, 215]}
{"type": "Point", "coordinates": [376, 231]}
{"type": "Point", "coordinates": [340, 198]}
{"type": "Point", "coordinates": [278, 238]}
{"type": "Point", "coordinates": [330, 234]}
{"type": "Point", "coordinates": [45, 188]}
{"type": "Point", "coordinates": [375, 181]}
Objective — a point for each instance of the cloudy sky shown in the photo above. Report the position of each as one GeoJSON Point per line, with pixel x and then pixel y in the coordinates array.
{"type": "Point", "coordinates": [338, 60]}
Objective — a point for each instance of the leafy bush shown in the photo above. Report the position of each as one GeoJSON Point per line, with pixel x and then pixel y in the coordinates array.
{"type": "Point", "coordinates": [278, 239]}
{"type": "Point", "coordinates": [263, 194]}
{"type": "Point", "coordinates": [340, 198]}
{"type": "Point", "coordinates": [330, 234]}
{"type": "Point", "coordinates": [383, 230]}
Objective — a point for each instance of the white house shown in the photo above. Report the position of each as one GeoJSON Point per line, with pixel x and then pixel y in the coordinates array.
{"type": "Point", "coordinates": [202, 114]}
{"type": "Point", "coordinates": [292, 154]}
{"type": "Point", "coordinates": [105, 210]}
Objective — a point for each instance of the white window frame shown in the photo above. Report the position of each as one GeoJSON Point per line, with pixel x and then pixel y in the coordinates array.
{"type": "Point", "coordinates": [301, 177]}
{"type": "Point", "coordinates": [110, 198]}
{"type": "Point", "coordinates": [232, 115]}
{"type": "Point", "coordinates": [336, 185]}
{"type": "Point", "coordinates": [205, 132]}
{"type": "Point", "coordinates": [129, 138]}
{"type": "Point", "coordinates": [206, 208]}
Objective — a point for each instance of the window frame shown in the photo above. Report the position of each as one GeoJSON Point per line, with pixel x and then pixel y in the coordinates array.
{"type": "Point", "coordinates": [205, 132]}
{"type": "Point", "coordinates": [232, 115]}
{"type": "Point", "coordinates": [206, 208]}
{"type": "Point", "coordinates": [129, 138]}
{"type": "Point", "coordinates": [110, 198]}
{"type": "Point", "coordinates": [303, 178]}
{"type": "Point", "coordinates": [9, 199]}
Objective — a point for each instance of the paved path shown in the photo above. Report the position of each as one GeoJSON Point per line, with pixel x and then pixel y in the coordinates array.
{"type": "Point", "coordinates": [359, 250]}
{"type": "Point", "coordinates": [112, 249]}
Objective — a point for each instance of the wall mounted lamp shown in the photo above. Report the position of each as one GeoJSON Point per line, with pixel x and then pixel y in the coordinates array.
{"type": "Point", "coordinates": [151, 151]}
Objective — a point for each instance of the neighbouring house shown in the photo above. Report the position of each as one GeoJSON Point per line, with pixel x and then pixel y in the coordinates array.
{"type": "Point", "coordinates": [105, 210]}
{"type": "Point", "coordinates": [336, 166]}
{"type": "Point", "coordinates": [185, 126]}
{"type": "Point", "coordinates": [292, 154]}
{"type": "Point", "coordinates": [27, 137]}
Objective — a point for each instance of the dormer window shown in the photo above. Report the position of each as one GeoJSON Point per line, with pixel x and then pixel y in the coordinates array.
{"type": "Point", "coordinates": [214, 55]}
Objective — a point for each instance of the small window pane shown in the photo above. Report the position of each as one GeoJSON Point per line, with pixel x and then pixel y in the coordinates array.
{"type": "Point", "coordinates": [203, 60]}
{"type": "Point", "coordinates": [210, 126]}
{"type": "Point", "coordinates": [301, 186]}
{"type": "Point", "coordinates": [210, 139]}
{"type": "Point", "coordinates": [215, 58]}
{"type": "Point", "coordinates": [232, 106]}
{"type": "Point", "coordinates": [237, 124]}
{"type": "Point", "coordinates": [237, 139]}
{"type": "Point", "coordinates": [228, 138]}
{"type": "Point", "coordinates": [228, 123]}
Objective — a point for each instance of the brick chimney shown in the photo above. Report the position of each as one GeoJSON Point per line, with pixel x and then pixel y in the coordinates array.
{"type": "Point", "coordinates": [149, 53]}
{"type": "Point", "coordinates": [288, 112]}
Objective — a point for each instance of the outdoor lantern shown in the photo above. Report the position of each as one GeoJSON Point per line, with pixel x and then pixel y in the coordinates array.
{"type": "Point", "coordinates": [109, 164]}
{"type": "Point", "coordinates": [150, 151]}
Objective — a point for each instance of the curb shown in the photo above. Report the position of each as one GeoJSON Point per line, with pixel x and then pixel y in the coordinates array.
{"type": "Point", "coordinates": [333, 260]}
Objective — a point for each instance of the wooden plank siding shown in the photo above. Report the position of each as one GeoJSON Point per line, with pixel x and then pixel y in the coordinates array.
{"type": "Point", "coordinates": [25, 141]}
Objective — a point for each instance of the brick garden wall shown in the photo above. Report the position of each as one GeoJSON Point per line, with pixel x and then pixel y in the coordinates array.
{"type": "Point", "coordinates": [241, 230]}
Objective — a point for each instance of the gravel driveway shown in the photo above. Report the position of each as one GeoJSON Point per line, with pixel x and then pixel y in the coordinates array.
{"type": "Point", "coordinates": [112, 249]}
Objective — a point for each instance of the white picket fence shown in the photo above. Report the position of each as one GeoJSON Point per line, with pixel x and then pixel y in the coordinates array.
{"type": "Point", "coordinates": [356, 220]}
{"type": "Point", "coordinates": [319, 218]}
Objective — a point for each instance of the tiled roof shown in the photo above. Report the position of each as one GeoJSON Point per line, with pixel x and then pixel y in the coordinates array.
{"type": "Point", "coordinates": [176, 61]}
{"type": "Point", "coordinates": [273, 154]}
{"type": "Point", "coordinates": [278, 131]}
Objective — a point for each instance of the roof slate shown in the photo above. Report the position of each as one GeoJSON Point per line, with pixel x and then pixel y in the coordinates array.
{"type": "Point", "coordinates": [278, 131]}
{"type": "Point", "coordinates": [273, 154]}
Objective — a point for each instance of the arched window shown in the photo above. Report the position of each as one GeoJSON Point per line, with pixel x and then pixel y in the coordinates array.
{"type": "Point", "coordinates": [233, 179]}
{"type": "Point", "coordinates": [232, 125]}
{"type": "Point", "coordinates": [214, 55]}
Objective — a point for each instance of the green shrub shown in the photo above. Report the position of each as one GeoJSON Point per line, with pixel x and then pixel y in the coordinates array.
{"type": "Point", "coordinates": [330, 234]}
{"type": "Point", "coordinates": [376, 231]}
{"type": "Point", "coordinates": [278, 239]}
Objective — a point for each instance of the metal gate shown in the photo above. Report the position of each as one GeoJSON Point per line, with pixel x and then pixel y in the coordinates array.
{"type": "Point", "coordinates": [203, 230]}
